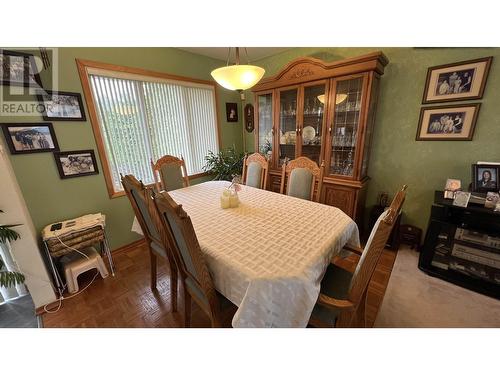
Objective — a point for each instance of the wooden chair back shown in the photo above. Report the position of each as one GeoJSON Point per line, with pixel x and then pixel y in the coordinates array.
{"type": "Point", "coordinates": [168, 160]}
{"type": "Point", "coordinates": [303, 162]}
{"type": "Point", "coordinates": [135, 191]}
{"type": "Point", "coordinates": [140, 198]}
{"type": "Point", "coordinates": [264, 164]}
{"type": "Point", "coordinates": [176, 230]}
{"type": "Point", "coordinates": [370, 256]}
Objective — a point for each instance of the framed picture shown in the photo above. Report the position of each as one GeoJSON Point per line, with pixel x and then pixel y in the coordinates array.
{"type": "Point", "coordinates": [232, 112]}
{"type": "Point", "coordinates": [30, 138]}
{"type": "Point", "coordinates": [485, 177]}
{"type": "Point", "coordinates": [491, 200]}
{"type": "Point", "coordinates": [18, 69]}
{"type": "Point", "coordinates": [463, 80]}
{"type": "Point", "coordinates": [451, 187]}
{"type": "Point", "coordinates": [447, 123]}
{"type": "Point", "coordinates": [76, 163]}
{"type": "Point", "coordinates": [249, 123]}
{"type": "Point", "coordinates": [61, 105]}
{"type": "Point", "coordinates": [461, 199]}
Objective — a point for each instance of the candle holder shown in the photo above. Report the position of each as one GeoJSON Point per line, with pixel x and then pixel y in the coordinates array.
{"type": "Point", "coordinates": [229, 197]}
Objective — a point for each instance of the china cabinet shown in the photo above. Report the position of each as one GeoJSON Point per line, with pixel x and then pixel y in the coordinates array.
{"type": "Point", "coordinates": [325, 111]}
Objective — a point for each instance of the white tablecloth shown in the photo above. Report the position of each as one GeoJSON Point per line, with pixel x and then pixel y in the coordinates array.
{"type": "Point", "coordinates": [267, 256]}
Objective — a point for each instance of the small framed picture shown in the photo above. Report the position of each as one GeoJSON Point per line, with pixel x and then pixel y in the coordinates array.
{"type": "Point", "coordinates": [232, 112]}
{"type": "Point", "coordinates": [249, 123]}
{"type": "Point", "coordinates": [461, 199]}
{"type": "Point", "coordinates": [485, 177]}
{"type": "Point", "coordinates": [18, 69]}
{"type": "Point", "coordinates": [30, 138]}
{"type": "Point", "coordinates": [76, 163]}
{"type": "Point", "coordinates": [492, 199]}
{"type": "Point", "coordinates": [447, 123]}
{"type": "Point", "coordinates": [463, 80]}
{"type": "Point", "coordinates": [60, 105]}
{"type": "Point", "coordinates": [452, 186]}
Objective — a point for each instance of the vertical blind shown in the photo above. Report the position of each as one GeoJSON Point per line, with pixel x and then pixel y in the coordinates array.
{"type": "Point", "coordinates": [144, 120]}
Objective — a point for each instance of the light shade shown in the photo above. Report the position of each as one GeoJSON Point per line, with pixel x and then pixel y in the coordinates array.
{"type": "Point", "coordinates": [238, 77]}
{"type": "Point", "coordinates": [339, 98]}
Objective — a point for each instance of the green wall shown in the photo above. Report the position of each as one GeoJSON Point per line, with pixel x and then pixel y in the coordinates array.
{"type": "Point", "coordinates": [50, 199]}
{"type": "Point", "coordinates": [396, 157]}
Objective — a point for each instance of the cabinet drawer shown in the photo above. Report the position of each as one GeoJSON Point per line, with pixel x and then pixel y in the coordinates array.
{"type": "Point", "coordinates": [341, 197]}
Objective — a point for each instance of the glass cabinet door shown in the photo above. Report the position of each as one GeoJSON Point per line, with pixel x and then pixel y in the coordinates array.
{"type": "Point", "coordinates": [287, 124]}
{"type": "Point", "coordinates": [370, 124]}
{"type": "Point", "coordinates": [312, 122]}
{"type": "Point", "coordinates": [265, 120]}
{"type": "Point", "coordinates": [346, 122]}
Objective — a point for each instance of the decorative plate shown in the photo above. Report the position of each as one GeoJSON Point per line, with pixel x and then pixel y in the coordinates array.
{"type": "Point", "coordinates": [308, 134]}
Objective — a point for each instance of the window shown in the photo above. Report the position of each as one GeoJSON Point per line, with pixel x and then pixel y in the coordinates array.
{"type": "Point", "coordinates": [142, 117]}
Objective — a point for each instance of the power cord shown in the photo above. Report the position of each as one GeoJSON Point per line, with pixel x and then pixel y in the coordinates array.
{"type": "Point", "coordinates": [61, 298]}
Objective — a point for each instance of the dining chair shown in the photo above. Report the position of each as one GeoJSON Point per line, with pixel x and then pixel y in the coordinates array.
{"type": "Point", "coordinates": [299, 178]}
{"type": "Point", "coordinates": [138, 196]}
{"type": "Point", "coordinates": [342, 298]}
{"type": "Point", "coordinates": [255, 171]}
{"type": "Point", "coordinates": [170, 173]}
{"type": "Point", "coordinates": [177, 232]}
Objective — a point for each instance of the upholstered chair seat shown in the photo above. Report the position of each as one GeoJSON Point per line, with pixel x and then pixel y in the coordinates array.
{"type": "Point", "coordinates": [171, 177]}
{"type": "Point", "coordinates": [300, 182]}
{"type": "Point", "coordinates": [335, 284]}
{"type": "Point", "coordinates": [342, 298]}
{"type": "Point", "coordinates": [299, 178]}
{"type": "Point", "coordinates": [254, 174]}
{"type": "Point", "coordinates": [170, 173]}
{"type": "Point", "coordinates": [177, 233]}
{"type": "Point", "coordinates": [136, 193]}
{"type": "Point", "coordinates": [255, 171]}
{"type": "Point", "coordinates": [158, 249]}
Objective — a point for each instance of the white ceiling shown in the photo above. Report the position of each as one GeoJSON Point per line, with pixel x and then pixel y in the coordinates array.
{"type": "Point", "coordinates": [254, 53]}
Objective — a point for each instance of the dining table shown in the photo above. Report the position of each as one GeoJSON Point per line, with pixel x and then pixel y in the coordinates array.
{"type": "Point", "coordinates": [269, 254]}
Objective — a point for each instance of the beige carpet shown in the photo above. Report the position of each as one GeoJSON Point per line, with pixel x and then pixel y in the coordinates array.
{"type": "Point", "coordinates": [414, 299]}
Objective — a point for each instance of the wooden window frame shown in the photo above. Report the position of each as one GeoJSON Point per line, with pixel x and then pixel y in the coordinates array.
{"type": "Point", "coordinates": [83, 66]}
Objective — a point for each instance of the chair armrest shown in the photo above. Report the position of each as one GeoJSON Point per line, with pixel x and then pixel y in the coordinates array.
{"type": "Point", "coordinates": [354, 249]}
{"type": "Point", "coordinates": [349, 264]}
{"type": "Point", "coordinates": [333, 303]}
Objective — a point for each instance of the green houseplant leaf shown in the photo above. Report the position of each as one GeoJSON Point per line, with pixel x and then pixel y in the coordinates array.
{"type": "Point", "coordinates": [8, 278]}
{"type": "Point", "coordinates": [225, 164]}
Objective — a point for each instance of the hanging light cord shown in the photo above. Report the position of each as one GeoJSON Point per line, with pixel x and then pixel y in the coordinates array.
{"type": "Point", "coordinates": [228, 56]}
{"type": "Point", "coordinates": [246, 54]}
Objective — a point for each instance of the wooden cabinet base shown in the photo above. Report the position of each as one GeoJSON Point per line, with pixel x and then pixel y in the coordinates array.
{"type": "Point", "coordinates": [350, 199]}
{"type": "Point", "coordinates": [348, 195]}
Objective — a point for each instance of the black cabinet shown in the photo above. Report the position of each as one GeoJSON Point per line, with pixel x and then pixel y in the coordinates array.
{"type": "Point", "coordinates": [462, 246]}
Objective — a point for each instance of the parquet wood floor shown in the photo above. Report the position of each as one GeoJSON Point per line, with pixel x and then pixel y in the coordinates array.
{"type": "Point", "coordinates": [126, 300]}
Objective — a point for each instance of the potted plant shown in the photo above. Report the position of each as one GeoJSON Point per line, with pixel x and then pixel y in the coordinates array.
{"type": "Point", "coordinates": [225, 165]}
{"type": "Point", "coordinates": [9, 278]}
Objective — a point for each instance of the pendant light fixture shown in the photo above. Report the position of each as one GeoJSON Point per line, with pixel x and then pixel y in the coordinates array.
{"type": "Point", "coordinates": [339, 98]}
{"type": "Point", "coordinates": [237, 77]}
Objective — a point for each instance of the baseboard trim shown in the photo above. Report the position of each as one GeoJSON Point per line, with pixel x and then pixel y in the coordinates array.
{"type": "Point", "coordinates": [129, 246]}
{"type": "Point", "coordinates": [41, 310]}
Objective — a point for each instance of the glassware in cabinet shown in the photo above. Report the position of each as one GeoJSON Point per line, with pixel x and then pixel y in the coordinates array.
{"type": "Point", "coordinates": [346, 125]}
{"type": "Point", "coordinates": [265, 119]}
{"type": "Point", "coordinates": [311, 128]}
{"type": "Point", "coordinates": [287, 124]}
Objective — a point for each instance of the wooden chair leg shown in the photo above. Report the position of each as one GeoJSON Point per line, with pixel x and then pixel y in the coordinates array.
{"type": "Point", "coordinates": [173, 285]}
{"type": "Point", "coordinates": [153, 270]}
{"type": "Point", "coordinates": [360, 317]}
{"type": "Point", "coordinates": [187, 309]}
